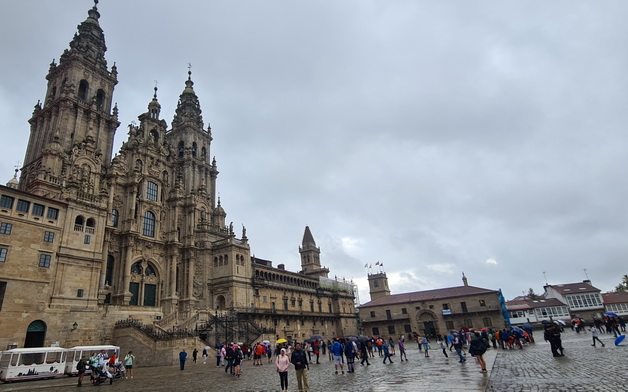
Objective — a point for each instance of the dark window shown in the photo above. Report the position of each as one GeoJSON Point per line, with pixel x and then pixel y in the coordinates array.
{"type": "Point", "coordinates": [38, 209]}
{"type": "Point", "coordinates": [82, 91]}
{"type": "Point", "coordinates": [115, 218]}
{"type": "Point", "coordinates": [482, 302]}
{"type": "Point", "coordinates": [53, 213]}
{"type": "Point", "coordinates": [149, 224]}
{"type": "Point", "coordinates": [134, 288]}
{"type": "Point", "coordinates": [285, 304]}
{"type": "Point", "coordinates": [404, 311]}
{"type": "Point", "coordinates": [49, 236]}
{"type": "Point", "coordinates": [388, 315]}
{"type": "Point", "coordinates": [320, 307]}
{"type": "Point", "coordinates": [3, 289]}
{"type": "Point", "coordinates": [88, 239]}
{"type": "Point", "coordinates": [100, 99]}
{"type": "Point", "coordinates": [445, 306]}
{"type": "Point", "coordinates": [6, 201]}
{"type": "Point", "coordinates": [372, 314]}
{"type": "Point", "coordinates": [391, 329]}
{"type": "Point", "coordinates": [468, 323]}
{"type": "Point", "coordinates": [407, 328]}
{"type": "Point", "coordinates": [3, 254]}
{"type": "Point", "coordinates": [180, 149]}
{"type": "Point", "coordinates": [293, 302]}
{"type": "Point", "coordinates": [463, 305]}
{"type": "Point", "coordinates": [417, 308]}
{"type": "Point", "coordinates": [80, 292]}
{"type": "Point", "coordinates": [487, 322]}
{"type": "Point", "coordinates": [44, 260]}
{"type": "Point", "coordinates": [109, 270]}
{"type": "Point", "coordinates": [23, 205]}
{"type": "Point", "coordinates": [150, 294]}
{"type": "Point", "coordinates": [375, 331]}
{"type": "Point", "coordinates": [449, 325]}
{"type": "Point", "coordinates": [194, 149]}
{"type": "Point", "coordinates": [5, 228]}
{"type": "Point", "coordinates": [151, 191]}
{"type": "Point", "coordinates": [376, 283]}
{"type": "Point", "coordinates": [272, 306]}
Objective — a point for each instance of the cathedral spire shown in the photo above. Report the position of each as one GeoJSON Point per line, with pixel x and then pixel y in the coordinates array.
{"type": "Point", "coordinates": [188, 112]}
{"type": "Point", "coordinates": [89, 42]}
{"type": "Point", "coordinates": [153, 106]}
{"type": "Point", "coordinates": [308, 239]}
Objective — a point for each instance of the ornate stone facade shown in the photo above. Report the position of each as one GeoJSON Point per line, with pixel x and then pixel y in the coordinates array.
{"type": "Point", "coordinates": [141, 235]}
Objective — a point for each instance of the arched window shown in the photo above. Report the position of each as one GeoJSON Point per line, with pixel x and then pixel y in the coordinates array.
{"type": "Point", "coordinates": [143, 285]}
{"type": "Point", "coordinates": [139, 165]}
{"type": "Point", "coordinates": [194, 147]}
{"type": "Point", "coordinates": [203, 152]}
{"type": "Point", "coordinates": [115, 216]}
{"type": "Point", "coordinates": [91, 224]}
{"type": "Point", "coordinates": [180, 149]}
{"type": "Point", "coordinates": [83, 89]}
{"type": "Point", "coordinates": [100, 99]}
{"type": "Point", "coordinates": [79, 223]}
{"type": "Point", "coordinates": [155, 136]}
{"type": "Point", "coordinates": [149, 224]}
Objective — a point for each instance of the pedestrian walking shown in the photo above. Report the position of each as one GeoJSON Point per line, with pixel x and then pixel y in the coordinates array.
{"type": "Point", "coordinates": [182, 357]}
{"type": "Point", "coordinates": [386, 352]}
{"type": "Point", "coordinates": [129, 362]}
{"type": "Point", "coordinates": [336, 349]}
{"type": "Point", "coordinates": [194, 354]}
{"type": "Point", "coordinates": [477, 348]}
{"type": "Point", "coordinates": [301, 366]}
{"type": "Point", "coordinates": [442, 345]}
{"type": "Point", "coordinates": [81, 366]}
{"type": "Point", "coordinates": [364, 353]}
{"type": "Point", "coordinates": [552, 335]}
{"type": "Point", "coordinates": [457, 343]}
{"type": "Point", "coordinates": [350, 350]}
{"type": "Point", "coordinates": [205, 355]}
{"type": "Point", "coordinates": [595, 335]}
{"type": "Point", "coordinates": [426, 346]}
{"type": "Point", "coordinates": [282, 363]}
{"type": "Point", "coordinates": [402, 349]}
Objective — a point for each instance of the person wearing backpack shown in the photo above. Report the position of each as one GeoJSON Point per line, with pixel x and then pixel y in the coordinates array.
{"type": "Point", "coordinates": [477, 348]}
{"type": "Point", "coordinates": [81, 366]}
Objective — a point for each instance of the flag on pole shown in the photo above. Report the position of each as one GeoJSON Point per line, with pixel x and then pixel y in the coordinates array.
{"type": "Point", "coordinates": [366, 265]}
{"type": "Point", "coordinates": [371, 266]}
{"type": "Point", "coordinates": [381, 264]}
{"type": "Point", "coordinates": [377, 263]}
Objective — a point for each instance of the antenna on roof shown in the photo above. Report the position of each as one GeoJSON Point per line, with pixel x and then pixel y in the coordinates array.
{"type": "Point", "coordinates": [585, 274]}
{"type": "Point", "coordinates": [545, 278]}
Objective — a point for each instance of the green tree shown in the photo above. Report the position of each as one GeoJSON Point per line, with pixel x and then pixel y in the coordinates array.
{"type": "Point", "coordinates": [623, 286]}
{"type": "Point", "coordinates": [531, 294]}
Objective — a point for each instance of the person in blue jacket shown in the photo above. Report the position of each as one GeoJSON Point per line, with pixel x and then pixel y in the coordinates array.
{"type": "Point", "coordinates": [182, 357]}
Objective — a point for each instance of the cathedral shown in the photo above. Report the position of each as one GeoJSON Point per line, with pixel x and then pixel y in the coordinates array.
{"type": "Point", "coordinates": [89, 241]}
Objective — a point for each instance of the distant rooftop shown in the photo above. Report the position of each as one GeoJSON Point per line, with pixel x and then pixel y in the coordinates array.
{"type": "Point", "coordinates": [428, 295]}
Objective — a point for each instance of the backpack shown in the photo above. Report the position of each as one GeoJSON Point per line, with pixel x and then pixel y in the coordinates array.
{"type": "Point", "coordinates": [81, 365]}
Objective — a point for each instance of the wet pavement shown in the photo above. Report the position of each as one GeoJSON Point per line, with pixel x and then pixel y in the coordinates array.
{"type": "Point", "coordinates": [584, 368]}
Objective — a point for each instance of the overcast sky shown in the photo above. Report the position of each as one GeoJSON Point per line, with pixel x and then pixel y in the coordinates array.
{"type": "Point", "coordinates": [433, 136]}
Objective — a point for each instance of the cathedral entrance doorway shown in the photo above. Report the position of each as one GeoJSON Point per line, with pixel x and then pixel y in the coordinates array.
{"type": "Point", "coordinates": [35, 334]}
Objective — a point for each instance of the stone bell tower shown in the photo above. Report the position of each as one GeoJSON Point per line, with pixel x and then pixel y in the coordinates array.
{"type": "Point", "coordinates": [71, 132]}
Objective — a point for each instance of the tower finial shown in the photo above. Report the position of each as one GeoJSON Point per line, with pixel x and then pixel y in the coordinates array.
{"type": "Point", "coordinates": [189, 71]}
{"type": "Point", "coordinates": [155, 95]}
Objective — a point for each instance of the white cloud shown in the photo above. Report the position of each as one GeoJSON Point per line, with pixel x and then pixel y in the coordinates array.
{"type": "Point", "coordinates": [491, 261]}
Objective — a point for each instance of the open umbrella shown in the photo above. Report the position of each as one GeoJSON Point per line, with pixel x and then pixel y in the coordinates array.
{"type": "Point", "coordinates": [527, 326]}
{"type": "Point", "coordinates": [279, 341]}
{"type": "Point", "coordinates": [619, 339]}
{"type": "Point", "coordinates": [352, 338]}
{"type": "Point", "coordinates": [265, 342]}
{"type": "Point", "coordinates": [310, 341]}
{"type": "Point", "coordinates": [319, 337]}
{"type": "Point", "coordinates": [611, 314]}
{"type": "Point", "coordinates": [561, 322]}
{"type": "Point", "coordinates": [363, 338]}
{"type": "Point", "coordinates": [484, 329]}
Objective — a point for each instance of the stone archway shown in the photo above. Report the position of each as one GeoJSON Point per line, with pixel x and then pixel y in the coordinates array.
{"type": "Point", "coordinates": [427, 323]}
{"type": "Point", "coordinates": [35, 334]}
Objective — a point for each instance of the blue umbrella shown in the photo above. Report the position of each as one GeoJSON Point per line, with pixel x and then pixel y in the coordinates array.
{"type": "Point", "coordinates": [619, 339]}
{"type": "Point", "coordinates": [611, 314]}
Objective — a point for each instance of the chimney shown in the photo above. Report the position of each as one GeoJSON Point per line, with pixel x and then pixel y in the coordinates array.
{"type": "Point", "coordinates": [281, 267]}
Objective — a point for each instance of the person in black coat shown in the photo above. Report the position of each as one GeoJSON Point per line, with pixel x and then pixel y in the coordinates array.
{"type": "Point", "coordinates": [477, 349]}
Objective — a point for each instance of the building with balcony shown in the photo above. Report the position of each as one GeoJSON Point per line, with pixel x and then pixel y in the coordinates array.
{"type": "Point", "coordinates": [535, 311]}
{"type": "Point", "coordinates": [616, 302]}
{"type": "Point", "coordinates": [429, 312]}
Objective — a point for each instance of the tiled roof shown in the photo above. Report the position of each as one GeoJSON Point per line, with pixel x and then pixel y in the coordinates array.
{"type": "Point", "coordinates": [533, 303]}
{"type": "Point", "coordinates": [575, 288]}
{"type": "Point", "coordinates": [428, 295]}
{"type": "Point", "coordinates": [615, 298]}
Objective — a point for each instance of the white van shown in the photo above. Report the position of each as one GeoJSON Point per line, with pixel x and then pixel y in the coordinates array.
{"type": "Point", "coordinates": [75, 353]}
{"type": "Point", "coordinates": [31, 363]}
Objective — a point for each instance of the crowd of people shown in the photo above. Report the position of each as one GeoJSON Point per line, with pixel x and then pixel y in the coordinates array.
{"type": "Point", "coordinates": [346, 352]}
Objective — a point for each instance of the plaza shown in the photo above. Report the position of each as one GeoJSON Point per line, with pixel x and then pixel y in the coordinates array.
{"type": "Point", "coordinates": [533, 369]}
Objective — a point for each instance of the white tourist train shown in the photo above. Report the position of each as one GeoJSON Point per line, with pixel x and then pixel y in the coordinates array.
{"type": "Point", "coordinates": [46, 362]}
